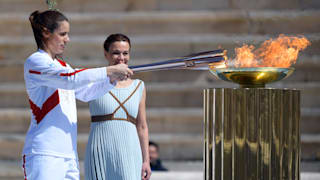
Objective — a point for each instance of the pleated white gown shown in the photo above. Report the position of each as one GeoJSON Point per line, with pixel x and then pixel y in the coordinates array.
{"type": "Point", "coordinates": [113, 150]}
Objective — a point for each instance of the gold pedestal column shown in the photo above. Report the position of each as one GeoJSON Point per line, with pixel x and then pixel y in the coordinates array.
{"type": "Point", "coordinates": [251, 134]}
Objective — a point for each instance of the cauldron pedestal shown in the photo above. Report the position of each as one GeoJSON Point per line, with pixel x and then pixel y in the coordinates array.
{"type": "Point", "coordinates": [251, 134]}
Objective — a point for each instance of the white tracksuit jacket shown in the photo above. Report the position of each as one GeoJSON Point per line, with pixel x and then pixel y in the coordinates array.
{"type": "Point", "coordinates": [52, 86]}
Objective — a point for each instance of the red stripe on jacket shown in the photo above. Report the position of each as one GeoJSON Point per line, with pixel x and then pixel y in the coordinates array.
{"type": "Point", "coordinates": [73, 73]}
{"type": "Point", "coordinates": [34, 72]}
{"type": "Point", "coordinates": [24, 167]}
{"type": "Point", "coordinates": [47, 106]}
{"type": "Point", "coordinates": [62, 62]}
{"type": "Point", "coordinates": [62, 74]}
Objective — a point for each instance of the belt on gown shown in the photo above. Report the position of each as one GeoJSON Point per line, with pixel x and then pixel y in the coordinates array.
{"type": "Point", "coordinates": [110, 117]}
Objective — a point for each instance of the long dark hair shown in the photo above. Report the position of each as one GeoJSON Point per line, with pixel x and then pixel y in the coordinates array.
{"type": "Point", "coordinates": [45, 21]}
{"type": "Point", "coordinates": [113, 38]}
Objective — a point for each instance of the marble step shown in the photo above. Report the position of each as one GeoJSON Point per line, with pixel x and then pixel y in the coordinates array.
{"type": "Point", "coordinates": [173, 146]}
{"type": "Point", "coordinates": [176, 22]}
{"type": "Point", "coordinates": [147, 46]}
{"type": "Point", "coordinates": [306, 70]}
{"type": "Point", "coordinates": [170, 94]}
{"type": "Point", "coordinates": [155, 5]}
{"type": "Point", "coordinates": [160, 120]}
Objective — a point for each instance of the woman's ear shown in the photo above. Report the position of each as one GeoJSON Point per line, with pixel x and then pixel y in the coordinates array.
{"type": "Point", "coordinates": [105, 54]}
{"type": "Point", "coordinates": [107, 57]}
{"type": "Point", "coordinates": [46, 33]}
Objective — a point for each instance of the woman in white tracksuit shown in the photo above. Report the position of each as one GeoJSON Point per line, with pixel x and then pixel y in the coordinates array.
{"type": "Point", "coordinates": [50, 149]}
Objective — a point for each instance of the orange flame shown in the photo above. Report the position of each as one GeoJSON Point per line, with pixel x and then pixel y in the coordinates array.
{"type": "Point", "coordinates": [281, 52]}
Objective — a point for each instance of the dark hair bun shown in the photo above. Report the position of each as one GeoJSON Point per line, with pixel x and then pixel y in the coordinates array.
{"type": "Point", "coordinates": [34, 16]}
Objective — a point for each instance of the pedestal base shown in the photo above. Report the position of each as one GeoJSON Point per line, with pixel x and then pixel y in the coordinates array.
{"type": "Point", "coordinates": [251, 134]}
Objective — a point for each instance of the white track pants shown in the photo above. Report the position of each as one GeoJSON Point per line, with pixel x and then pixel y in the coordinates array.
{"type": "Point", "coordinates": [42, 167]}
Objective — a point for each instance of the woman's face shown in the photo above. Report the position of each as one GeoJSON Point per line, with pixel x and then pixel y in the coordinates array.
{"type": "Point", "coordinates": [119, 53]}
{"type": "Point", "coordinates": [57, 41]}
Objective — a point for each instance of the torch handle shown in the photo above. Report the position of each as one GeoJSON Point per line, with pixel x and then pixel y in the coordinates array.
{"type": "Point", "coordinates": [194, 63]}
{"type": "Point", "coordinates": [218, 52]}
{"type": "Point", "coordinates": [191, 57]}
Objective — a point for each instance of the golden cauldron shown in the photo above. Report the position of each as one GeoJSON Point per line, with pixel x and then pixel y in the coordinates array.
{"type": "Point", "coordinates": [252, 77]}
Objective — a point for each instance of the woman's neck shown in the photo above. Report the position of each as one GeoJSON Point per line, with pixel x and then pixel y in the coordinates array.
{"type": "Point", "coordinates": [124, 83]}
{"type": "Point", "coordinates": [53, 56]}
